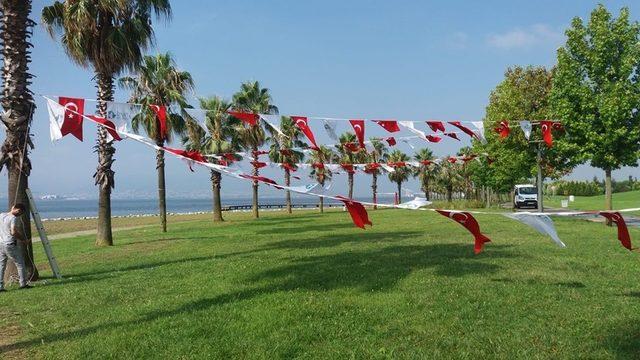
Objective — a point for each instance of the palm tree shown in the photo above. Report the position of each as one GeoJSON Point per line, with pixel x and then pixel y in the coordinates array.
{"type": "Point", "coordinates": [377, 154]}
{"type": "Point", "coordinates": [17, 101]}
{"type": "Point", "coordinates": [448, 177]}
{"type": "Point", "coordinates": [218, 139]}
{"type": "Point", "coordinates": [321, 173]}
{"type": "Point", "coordinates": [109, 37]}
{"type": "Point", "coordinates": [257, 100]}
{"type": "Point", "coordinates": [402, 172]}
{"type": "Point", "coordinates": [346, 142]}
{"type": "Point", "coordinates": [158, 82]}
{"type": "Point", "coordinates": [282, 151]}
{"type": "Point", "coordinates": [425, 171]}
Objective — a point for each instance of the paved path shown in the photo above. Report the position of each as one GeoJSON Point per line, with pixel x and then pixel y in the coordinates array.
{"type": "Point", "coordinates": [36, 238]}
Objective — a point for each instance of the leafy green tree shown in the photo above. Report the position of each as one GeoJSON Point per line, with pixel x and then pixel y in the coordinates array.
{"type": "Point", "coordinates": [109, 37]}
{"type": "Point", "coordinates": [424, 172]}
{"type": "Point", "coordinates": [254, 99]}
{"type": "Point", "coordinates": [596, 90]}
{"type": "Point", "coordinates": [284, 150]}
{"type": "Point", "coordinates": [377, 154]}
{"type": "Point", "coordinates": [523, 95]}
{"type": "Point", "coordinates": [218, 139]}
{"type": "Point", "coordinates": [17, 101]}
{"type": "Point", "coordinates": [347, 156]}
{"type": "Point", "coordinates": [401, 173]}
{"type": "Point", "coordinates": [323, 155]}
{"type": "Point", "coordinates": [159, 82]}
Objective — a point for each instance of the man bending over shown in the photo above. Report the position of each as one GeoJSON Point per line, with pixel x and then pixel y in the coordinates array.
{"type": "Point", "coordinates": [9, 247]}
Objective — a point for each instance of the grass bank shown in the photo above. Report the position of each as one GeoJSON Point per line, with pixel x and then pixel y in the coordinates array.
{"type": "Point", "coordinates": [313, 286]}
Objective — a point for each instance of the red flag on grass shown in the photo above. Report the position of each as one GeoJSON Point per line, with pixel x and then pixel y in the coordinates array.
{"type": "Point", "coordinates": [469, 222]}
{"type": "Point", "coordinates": [623, 232]}
{"type": "Point", "coordinates": [358, 213]}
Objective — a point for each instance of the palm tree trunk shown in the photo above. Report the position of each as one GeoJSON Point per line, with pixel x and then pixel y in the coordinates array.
{"type": "Point", "coordinates": [17, 100]}
{"type": "Point", "coordinates": [321, 199]}
{"type": "Point", "coordinates": [374, 188]}
{"type": "Point", "coordinates": [255, 185]}
{"type": "Point", "coordinates": [399, 192]}
{"type": "Point", "coordinates": [449, 193]}
{"type": "Point", "coordinates": [426, 188]}
{"type": "Point", "coordinates": [162, 191]}
{"type": "Point", "coordinates": [350, 177]}
{"type": "Point", "coordinates": [287, 182]}
{"type": "Point", "coordinates": [216, 181]}
{"type": "Point", "coordinates": [104, 176]}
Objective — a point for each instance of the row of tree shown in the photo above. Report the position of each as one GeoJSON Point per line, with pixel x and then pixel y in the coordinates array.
{"type": "Point", "coordinates": [593, 91]}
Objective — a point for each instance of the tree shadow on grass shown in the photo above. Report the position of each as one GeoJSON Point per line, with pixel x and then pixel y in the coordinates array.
{"type": "Point", "coordinates": [333, 240]}
{"type": "Point", "coordinates": [623, 340]}
{"type": "Point", "coordinates": [369, 270]}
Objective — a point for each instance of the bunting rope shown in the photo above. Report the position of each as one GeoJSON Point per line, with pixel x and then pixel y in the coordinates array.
{"type": "Point", "coordinates": [540, 221]}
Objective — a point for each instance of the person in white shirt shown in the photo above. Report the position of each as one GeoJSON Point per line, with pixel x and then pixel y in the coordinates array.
{"type": "Point", "coordinates": [9, 244]}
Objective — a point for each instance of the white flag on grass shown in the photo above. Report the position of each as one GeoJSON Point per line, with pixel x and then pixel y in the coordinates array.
{"type": "Point", "coordinates": [525, 125]}
{"type": "Point", "coordinates": [416, 203]}
{"type": "Point", "coordinates": [56, 119]}
{"type": "Point", "coordinates": [541, 222]}
{"type": "Point", "coordinates": [330, 128]}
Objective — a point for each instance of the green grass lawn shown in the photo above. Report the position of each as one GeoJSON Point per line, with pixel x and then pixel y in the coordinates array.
{"type": "Point", "coordinates": [624, 200]}
{"type": "Point", "coordinates": [314, 286]}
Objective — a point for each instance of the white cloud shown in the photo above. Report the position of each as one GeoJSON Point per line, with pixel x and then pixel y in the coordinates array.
{"type": "Point", "coordinates": [519, 38]}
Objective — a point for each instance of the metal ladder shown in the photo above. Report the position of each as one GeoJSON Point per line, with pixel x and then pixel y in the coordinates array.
{"type": "Point", "coordinates": [43, 236]}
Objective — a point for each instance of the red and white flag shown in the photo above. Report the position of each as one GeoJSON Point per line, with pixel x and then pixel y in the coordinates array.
{"type": "Point", "coordinates": [112, 133]}
{"type": "Point", "coordinates": [452, 135]}
{"type": "Point", "coordinates": [245, 117]}
{"type": "Point", "coordinates": [189, 155]}
{"type": "Point", "coordinates": [503, 129]}
{"type": "Point", "coordinates": [358, 128]}
{"type": "Point", "coordinates": [436, 125]}
{"type": "Point", "coordinates": [469, 222]}
{"type": "Point", "coordinates": [546, 127]}
{"type": "Point", "coordinates": [391, 141]}
{"type": "Point", "coordinates": [348, 168]}
{"type": "Point", "coordinates": [357, 211]}
{"type": "Point", "coordinates": [161, 115]}
{"type": "Point", "coordinates": [464, 129]}
{"type": "Point", "coordinates": [353, 147]}
{"type": "Point", "coordinates": [303, 124]}
{"type": "Point", "coordinates": [74, 109]}
{"type": "Point", "coordinates": [258, 164]}
{"type": "Point", "coordinates": [433, 138]}
{"type": "Point", "coordinates": [389, 125]}
{"type": "Point", "coordinates": [623, 232]}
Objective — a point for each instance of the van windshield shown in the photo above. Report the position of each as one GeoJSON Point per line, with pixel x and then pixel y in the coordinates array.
{"type": "Point", "coordinates": [528, 191]}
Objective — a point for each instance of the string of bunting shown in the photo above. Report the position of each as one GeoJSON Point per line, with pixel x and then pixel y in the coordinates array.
{"type": "Point", "coordinates": [63, 116]}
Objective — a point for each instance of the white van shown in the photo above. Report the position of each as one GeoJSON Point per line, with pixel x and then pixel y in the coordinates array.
{"type": "Point", "coordinates": [525, 196]}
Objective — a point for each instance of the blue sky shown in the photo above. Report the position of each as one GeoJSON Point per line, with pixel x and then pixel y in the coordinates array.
{"type": "Point", "coordinates": [412, 60]}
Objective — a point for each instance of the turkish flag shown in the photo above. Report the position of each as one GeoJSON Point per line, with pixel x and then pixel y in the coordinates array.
{"type": "Point", "coordinates": [161, 115]}
{"type": "Point", "coordinates": [389, 125]}
{"type": "Point", "coordinates": [73, 111]}
{"type": "Point", "coordinates": [426, 162]}
{"type": "Point", "coordinates": [259, 178]}
{"type": "Point", "coordinates": [623, 232]}
{"type": "Point", "coordinates": [318, 165]}
{"type": "Point", "coordinates": [503, 129]}
{"type": "Point", "coordinates": [353, 147]}
{"type": "Point", "coordinates": [286, 152]}
{"type": "Point", "coordinates": [258, 164]}
{"type": "Point", "coordinates": [358, 213]}
{"type": "Point", "coordinates": [229, 156]}
{"type": "Point", "coordinates": [289, 167]}
{"type": "Point", "coordinates": [371, 167]}
{"type": "Point", "coordinates": [190, 155]}
{"type": "Point", "coordinates": [245, 117]}
{"type": "Point", "coordinates": [259, 152]}
{"type": "Point", "coordinates": [464, 129]}
{"type": "Point", "coordinates": [358, 128]}
{"type": "Point", "coordinates": [303, 124]}
{"type": "Point", "coordinates": [452, 159]}
{"type": "Point", "coordinates": [436, 125]}
{"type": "Point", "coordinates": [391, 141]}
{"type": "Point", "coordinates": [545, 128]}
{"type": "Point", "coordinates": [397, 164]}
{"type": "Point", "coordinates": [348, 168]}
{"type": "Point", "coordinates": [452, 135]}
{"type": "Point", "coordinates": [108, 125]}
{"type": "Point", "coordinates": [467, 158]}
{"type": "Point", "coordinates": [469, 222]}
{"type": "Point", "coordinates": [433, 138]}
